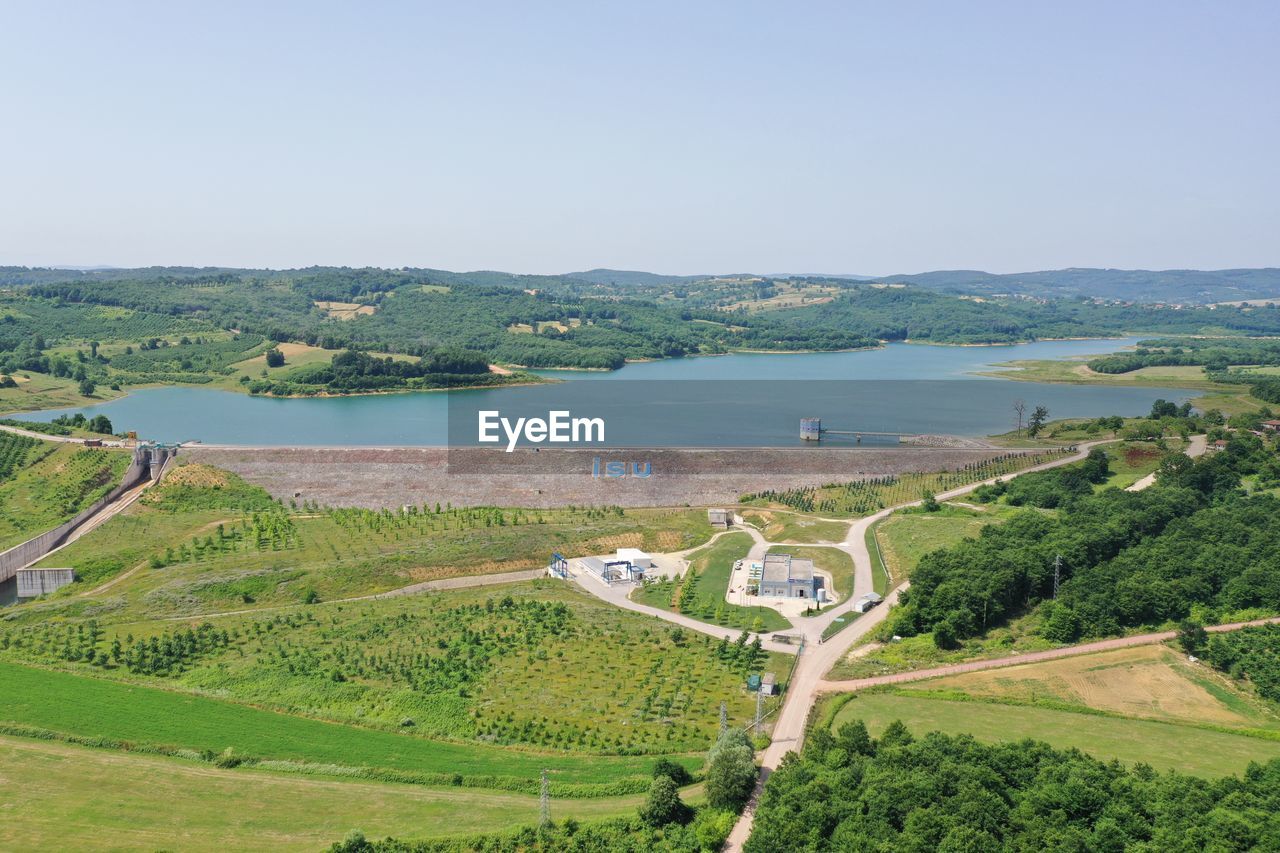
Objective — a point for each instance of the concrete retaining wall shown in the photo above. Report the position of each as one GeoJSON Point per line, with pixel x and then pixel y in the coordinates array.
{"type": "Point", "coordinates": [21, 556]}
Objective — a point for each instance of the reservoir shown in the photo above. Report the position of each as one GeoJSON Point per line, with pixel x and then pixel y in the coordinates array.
{"type": "Point", "coordinates": [737, 400]}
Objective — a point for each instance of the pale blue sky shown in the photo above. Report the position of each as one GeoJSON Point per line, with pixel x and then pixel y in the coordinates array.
{"type": "Point", "coordinates": [683, 137]}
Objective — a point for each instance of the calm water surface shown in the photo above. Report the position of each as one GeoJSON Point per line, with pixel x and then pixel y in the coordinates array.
{"type": "Point", "coordinates": [927, 396]}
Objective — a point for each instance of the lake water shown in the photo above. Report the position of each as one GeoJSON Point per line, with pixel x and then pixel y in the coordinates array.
{"type": "Point", "coordinates": [734, 400]}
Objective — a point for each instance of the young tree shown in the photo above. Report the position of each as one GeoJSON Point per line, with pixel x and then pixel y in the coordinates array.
{"type": "Point", "coordinates": [1192, 636]}
{"type": "Point", "coordinates": [663, 806]}
{"type": "Point", "coordinates": [1020, 409]}
{"type": "Point", "coordinates": [275, 358]}
{"type": "Point", "coordinates": [731, 771]}
{"type": "Point", "coordinates": [1037, 420]}
{"type": "Point", "coordinates": [87, 387]}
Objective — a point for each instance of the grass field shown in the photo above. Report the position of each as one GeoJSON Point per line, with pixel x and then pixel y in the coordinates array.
{"type": "Point", "coordinates": [42, 391]}
{"type": "Point", "coordinates": [1152, 682]}
{"type": "Point", "coordinates": [906, 537]}
{"type": "Point", "coordinates": [54, 482]}
{"type": "Point", "coordinates": [1131, 461]}
{"type": "Point", "coordinates": [779, 526]}
{"type": "Point", "coordinates": [1163, 745]}
{"type": "Point", "coordinates": [701, 592]}
{"type": "Point", "coordinates": [536, 665]}
{"type": "Point", "coordinates": [203, 540]}
{"type": "Point", "coordinates": [881, 580]}
{"type": "Point", "coordinates": [65, 797]}
{"type": "Point", "coordinates": [149, 717]}
{"type": "Point", "coordinates": [920, 652]}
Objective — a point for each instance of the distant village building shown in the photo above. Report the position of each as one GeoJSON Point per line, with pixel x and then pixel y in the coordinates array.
{"type": "Point", "coordinates": [1271, 425]}
{"type": "Point", "coordinates": [719, 518]}
{"type": "Point", "coordinates": [785, 576]}
{"type": "Point", "coordinates": [768, 684]}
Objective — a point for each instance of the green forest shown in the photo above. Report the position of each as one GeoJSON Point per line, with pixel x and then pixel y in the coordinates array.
{"type": "Point", "coordinates": [847, 791]}
{"type": "Point", "coordinates": [1196, 544]}
{"type": "Point", "coordinates": [188, 326]}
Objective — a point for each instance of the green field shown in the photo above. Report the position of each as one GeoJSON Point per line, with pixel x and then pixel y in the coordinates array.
{"type": "Point", "coordinates": [1165, 746]}
{"type": "Point", "coordinates": [701, 593]}
{"type": "Point", "coordinates": [153, 718]}
{"type": "Point", "coordinates": [203, 541]}
{"type": "Point", "coordinates": [906, 537]}
{"type": "Point", "coordinates": [881, 581]}
{"type": "Point", "coordinates": [779, 526]}
{"type": "Point", "coordinates": [536, 665]}
{"type": "Point", "coordinates": [54, 482]}
{"type": "Point", "coordinates": [64, 797]}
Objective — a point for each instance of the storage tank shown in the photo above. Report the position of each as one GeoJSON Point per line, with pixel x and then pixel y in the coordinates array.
{"type": "Point", "coordinates": [811, 429]}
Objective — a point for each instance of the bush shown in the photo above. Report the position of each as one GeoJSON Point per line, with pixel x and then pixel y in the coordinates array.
{"type": "Point", "coordinates": [674, 771]}
{"type": "Point", "coordinates": [663, 805]}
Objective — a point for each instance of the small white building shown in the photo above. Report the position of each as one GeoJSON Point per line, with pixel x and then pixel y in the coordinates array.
{"type": "Point", "coordinates": [637, 558]}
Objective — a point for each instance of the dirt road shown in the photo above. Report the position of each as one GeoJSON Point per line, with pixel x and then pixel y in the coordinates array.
{"type": "Point", "coordinates": [1028, 658]}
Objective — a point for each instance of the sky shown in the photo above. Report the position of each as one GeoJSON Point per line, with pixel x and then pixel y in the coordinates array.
{"type": "Point", "coordinates": [691, 137]}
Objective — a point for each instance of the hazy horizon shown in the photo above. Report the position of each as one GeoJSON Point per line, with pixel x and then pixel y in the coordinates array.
{"type": "Point", "coordinates": [864, 140]}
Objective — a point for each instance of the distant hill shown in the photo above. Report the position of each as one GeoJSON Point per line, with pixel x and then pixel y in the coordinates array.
{"type": "Point", "coordinates": [631, 277]}
{"type": "Point", "coordinates": [1170, 286]}
{"type": "Point", "coordinates": [1148, 286]}
{"type": "Point", "coordinates": [1194, 287]}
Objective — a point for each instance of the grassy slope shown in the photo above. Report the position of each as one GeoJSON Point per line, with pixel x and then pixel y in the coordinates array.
{"type": "Point", "coordinates": [906, 537]}
{"type": "Point", "coordinates": [1153, 682]}
{"type": "Point", "coordinates": [58, 481]}
{"type": "Point", "coordinates": [42, 391]}
{"type": "Point", "coordinates": [779, 526]}
{"type": "Point", "coordinates": [338, 555]}
{"type": "Point", "coordinates": [1165, 746]}
{"type": "Point", "coordinates": [96, 707]}
{"type": "Point", "coordinates": [59, 796]}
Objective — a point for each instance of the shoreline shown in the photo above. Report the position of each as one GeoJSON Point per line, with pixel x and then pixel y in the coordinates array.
{"type": "Point", "coordinates": [539, 379]}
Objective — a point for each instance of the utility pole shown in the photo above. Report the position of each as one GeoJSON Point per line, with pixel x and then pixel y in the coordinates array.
{"type": "Point", "coordinates": [1057, 574]}
{"type": "Point", "coordinates": [546, 801]}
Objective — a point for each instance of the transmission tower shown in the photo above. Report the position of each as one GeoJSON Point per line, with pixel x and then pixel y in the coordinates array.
{"type": "Point", "coordinates": [1057, 574]}
{"type": "Point", "coordinates": [546, 801]}
{"type": "Point", "coordinates": [759, 709]}
{"type": "Point", "coordinates": [724, 718]}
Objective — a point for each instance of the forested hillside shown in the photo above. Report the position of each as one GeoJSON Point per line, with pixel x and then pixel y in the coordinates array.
{"type": "Point", "coordinates": [182, 325]}
{"type": "Point", "coordinates": [849, 792]}
{"type": "Point", "coordinates": [1194, 544]}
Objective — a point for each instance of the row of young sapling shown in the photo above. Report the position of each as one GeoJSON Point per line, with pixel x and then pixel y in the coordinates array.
{"type": "Point", "coordinates": [862, 497]}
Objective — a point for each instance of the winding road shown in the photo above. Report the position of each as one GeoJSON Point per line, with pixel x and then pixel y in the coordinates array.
{"type": "Point", "coordinates": [807, 680]}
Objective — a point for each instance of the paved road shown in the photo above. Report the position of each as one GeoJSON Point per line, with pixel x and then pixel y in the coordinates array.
{"type": "Point", "coordinates": [818, 658]}
{"type": "Point", "coordinates": [65, 439]}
